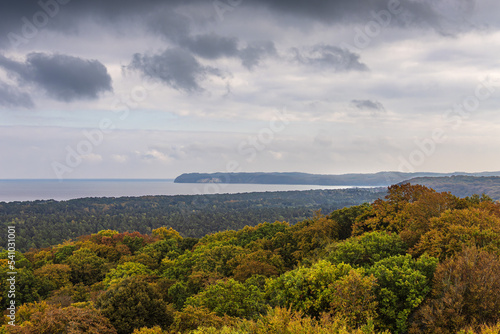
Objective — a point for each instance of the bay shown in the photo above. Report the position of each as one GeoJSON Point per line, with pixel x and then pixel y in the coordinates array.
{"type": "Point", "coordinates": [31, 190]}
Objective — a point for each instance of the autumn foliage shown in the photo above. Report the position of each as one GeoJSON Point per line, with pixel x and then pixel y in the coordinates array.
{"type": "Point", "coordinates": [417, 261]}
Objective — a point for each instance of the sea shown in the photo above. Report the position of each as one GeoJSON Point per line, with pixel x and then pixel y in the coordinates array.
{"type": "Point", "coordinates": [32, 190]}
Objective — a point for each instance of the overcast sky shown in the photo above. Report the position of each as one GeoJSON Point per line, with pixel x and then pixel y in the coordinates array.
{"type": "Point", "coordinates": [153, 89]}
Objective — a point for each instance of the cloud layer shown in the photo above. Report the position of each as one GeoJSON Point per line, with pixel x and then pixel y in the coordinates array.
{"type": "Point", "coordinates": [189, 85]}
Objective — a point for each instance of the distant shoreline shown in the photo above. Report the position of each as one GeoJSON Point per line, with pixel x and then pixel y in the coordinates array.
{"type": "Point", "coordinates": [381, 179]}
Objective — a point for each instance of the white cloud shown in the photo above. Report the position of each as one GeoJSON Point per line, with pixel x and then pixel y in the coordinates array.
{"type": "Point", "coordinates": [120, 158]}
{"type": "Point", "coordinates": [154, 154]}
{"type": "Point", "coordinates": [92, 158]}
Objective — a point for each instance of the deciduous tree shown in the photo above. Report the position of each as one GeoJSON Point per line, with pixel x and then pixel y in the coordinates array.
{"type": "Point", "coordinates": [466, 292]}
{"type": "Point", "coordinates": [133, 303]}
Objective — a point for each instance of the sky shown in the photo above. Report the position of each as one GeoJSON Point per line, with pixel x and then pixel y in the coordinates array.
{"type": "Point", "coordinates": [154, 89]}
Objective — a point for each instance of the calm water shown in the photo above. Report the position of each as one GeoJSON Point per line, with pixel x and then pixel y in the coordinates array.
{"type": "Point", "coordinates": [30, 190]}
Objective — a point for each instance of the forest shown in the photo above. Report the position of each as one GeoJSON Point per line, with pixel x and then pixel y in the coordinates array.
{"type": "Point", "coordinates": [414, 261]}
{"type": "Point", "coordinates": [462, 185]}
{"type": "Point", "coordinates": [45, 223]}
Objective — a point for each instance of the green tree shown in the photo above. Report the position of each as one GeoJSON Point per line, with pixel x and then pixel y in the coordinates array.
{"type": "Point", "coordinates": [177, 294]}
{"type": "Point", "coordinates": [24, 288]}
{"type": "Point", "coordinates": [166, 233]}
{"type": "Point", "coordinates": [456, 229]}
{"type": "Point", "coordinates": [230, 298]}
{"type": "Point", "coordinates": [152, 254]}
{"type": "Point", "coordinates": [285, 321]}
{"type": "Point", "coordinates": [308, 290]}
{"type": "Point", "coordinates": [366, 249]}
{"type": "Point", "coordinates": [146, 330]}
{"type": "Point", "coordinates": [266, 231]}
{"type": "Point", "coordinates": [192, 317]}
{"type": "Point", "coordinates": [347, 217]}
{"type": "Point", "coordinates": [402, 285]}
{"type": "Point", "coordinates": [52, 277]}
{"type": "Point", "coordinates": [134, 303]}
{"type": "Point", "coordinates": [354, 298]}
{"type": "Point", "coordinates": [86, 267]}
{"type": "Point", "coordinates": [260, 262]}
{"type": "Point", "coordinates": [312, 236]}
{"type": "Point", "coordinates": [63, 252]}
{"type": "Point", "coordinates": [125, 270]}
{"type": "Point", "coordinates": [17, 259]}
{"type": "Point", "coordinates": [217, 258]}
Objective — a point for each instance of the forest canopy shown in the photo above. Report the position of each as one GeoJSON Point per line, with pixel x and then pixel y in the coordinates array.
{"type": "Point", "coordinates": [45, 223]}
{"type": "Point", "coordinates": [415, 261]}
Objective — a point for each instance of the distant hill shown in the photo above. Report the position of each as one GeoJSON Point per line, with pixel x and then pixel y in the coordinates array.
{"type": "Point", "coordinates": [462, 185]}
{"type": "Point", "coordinates": [380, 179]}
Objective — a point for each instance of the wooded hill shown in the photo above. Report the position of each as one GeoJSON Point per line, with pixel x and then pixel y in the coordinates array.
{"type": "Point", "coordinates": [461, 185]}
{"type": "Point", "coordinates": [417, 261]}
{"type": "Point", "coordinates": [361, 180]}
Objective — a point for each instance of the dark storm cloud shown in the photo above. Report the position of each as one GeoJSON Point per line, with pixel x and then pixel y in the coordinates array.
{"type": "Point", "coordinates": [11, 96]}
{"type": "Point", "coordinates": [211, 46]}
{"type": "Point", "coordinates": [330, 57]}
{"type": "Point", "coordinates": [176, 28]}
{"type": "Point", "coordinates": [368, 105]}
{"type": "Point", "coordinates": [175, 67]}
{"type": "Point", "coordinates": [328, 11]}
{"type": "Point", "coordinates": [252, 55]}
{"type": "Point", "coordinates": [162, 16]}
{"type": "Point", "coordinates": [22, 20]}
{"type": "Point", "coordinates": [317, 9]}
{"type": "Point", "coordinates": [437, 14]}
{"type": "Point", "coordinates": [170, 25]}
{"type": "Point", "coordinates": [63, 77]}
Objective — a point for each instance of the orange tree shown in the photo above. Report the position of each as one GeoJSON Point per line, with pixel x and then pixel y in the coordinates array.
{"type": "Point", "coordinates": [466, 292]}
{"type": "Point", "coordinates": [454, 229]}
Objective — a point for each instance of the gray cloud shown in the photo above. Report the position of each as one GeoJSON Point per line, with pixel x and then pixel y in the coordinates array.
{"type": "Point", "coordinates": [63, 77]}
{"type": "Point", "coordinates": [318, 9]}
{"type": "Point", "coordinates": [176, 28]}
{"type": "Point", "coordinates": [170, 25]}
{"type": "Point", "coordinates": [368, 105]}
{"type": "Point", "coordinates": [332, 57]}
{"type": "Point", "coordinates": [327, 11]}
{"type": "Point", "coordinates": [175, 67]}
{"type": "Point", "coordinates": [10, 96]}
{"type": "Point", "coordinates": [211, 46]}
{"type": "Point", "coordinates": [442, 15]}
{"type": "Point", "coordinates": [255, 52]}
{"type": "Point", "coordinates": [445, 16]}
